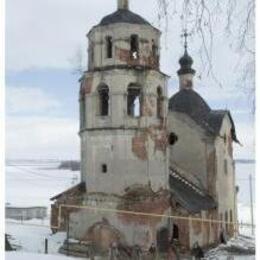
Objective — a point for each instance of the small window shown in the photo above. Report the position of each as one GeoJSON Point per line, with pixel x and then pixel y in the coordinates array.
{"type": "Point", "coordinates": [225, 166]}
{"type": "Point", "coordinates": [134, 101]}
{"type": "Point", "coordinates": [104, 168]}
{"type": "Point", "coordinates": [109, 47]}
{"type": "Point", "coordinates": [134, 42]}
{"type": "Point", "coordinates": [173, 138]}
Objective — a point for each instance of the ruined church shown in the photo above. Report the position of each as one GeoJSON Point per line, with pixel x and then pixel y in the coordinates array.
{"type": "Point", "coordinates": [154, 170]}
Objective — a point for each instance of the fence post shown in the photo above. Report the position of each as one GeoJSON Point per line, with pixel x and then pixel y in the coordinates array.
{"type": "Point", "coordinates": [46, 246]}
{"type": "Point", "coordinates": [252, 205]}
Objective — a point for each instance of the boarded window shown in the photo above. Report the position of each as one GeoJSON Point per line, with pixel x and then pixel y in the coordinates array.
{"type": "Point", "coordinates": [134, 101]}
{"type": "Point", "coordinates": [103, 92]}
{"type": "Point", "coordinates": [134, 47]}
{"type": "Point", "coordinates": [109, 47]}
{"type": "Point", "coordinates": [159, 103]}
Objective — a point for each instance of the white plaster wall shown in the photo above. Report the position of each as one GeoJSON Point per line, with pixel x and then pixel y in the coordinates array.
{"type": "Point", "coordinates": [108, 140]}
{"type": "Point", "coordinates": [114, 148]}
{"type": "Point", "coordinates": [189, 152]}
{"type": "Point", "coordinates": [225, 183]}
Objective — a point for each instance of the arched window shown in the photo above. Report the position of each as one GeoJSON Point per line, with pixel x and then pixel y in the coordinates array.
{"type": "Point", "coordinates": [134, 101]}
{"type": "Point", "coordinates": [103, 93]}
{"type": "Point", "coordinates": [159, 102]}
{"type": "Point", "coordinates": [226, 220]}
{"type": "Point", "coordinates": [231, 219]}
{"type": "Point", "coordinates": [109, 47]}
{"type": "Point", "coordinates": [221, 220]}
{"type": "Point", "coordinates": [134, 44]}
{"type": "Point", "coordinates": [82, 111]}
{"type": "Point", "coordinates": [154, 49]}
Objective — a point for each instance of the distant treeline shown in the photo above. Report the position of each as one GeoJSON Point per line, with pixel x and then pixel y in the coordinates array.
{"type": "Point", "coordinates": [245, 161]}
{"type": "Point", "coordinates": [70, 165]}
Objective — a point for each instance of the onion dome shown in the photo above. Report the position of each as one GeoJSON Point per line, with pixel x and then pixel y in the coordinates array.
{"type": "Point", "coordinates": [186, 62]}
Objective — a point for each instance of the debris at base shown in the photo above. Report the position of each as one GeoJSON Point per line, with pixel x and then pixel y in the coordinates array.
{"type": "Point", "coordinates": [242, 245]}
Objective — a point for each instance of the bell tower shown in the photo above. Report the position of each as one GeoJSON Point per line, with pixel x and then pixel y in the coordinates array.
{"type": "Point", "coordinates": [123, 106]}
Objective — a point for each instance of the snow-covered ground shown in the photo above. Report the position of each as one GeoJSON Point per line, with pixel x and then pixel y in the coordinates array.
{"type": "Point", "coordinates": [30, 236]}
{"type": "Point", "coordinates": [26, 256]}
{"type": "Point", "coordinates": [33, 183]}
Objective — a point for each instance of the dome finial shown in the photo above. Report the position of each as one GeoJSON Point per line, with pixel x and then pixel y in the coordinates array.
{"type": "Point", "coordinates": [186, 35]}
{"type": "Point", "coordinates": [122, 4]}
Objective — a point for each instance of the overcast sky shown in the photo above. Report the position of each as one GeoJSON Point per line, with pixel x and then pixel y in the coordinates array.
{"type": "Point", "coordinates": [43, 36]}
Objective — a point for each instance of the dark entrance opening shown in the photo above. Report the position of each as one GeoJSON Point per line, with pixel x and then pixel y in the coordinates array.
{"type": "Point", "coordinates": [162, 238]}
{"type": "Point", "coordinates": [175, 233]}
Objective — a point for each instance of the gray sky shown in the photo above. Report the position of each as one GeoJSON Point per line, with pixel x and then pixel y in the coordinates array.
{"type": "Point", "coordinates": [43, 36]}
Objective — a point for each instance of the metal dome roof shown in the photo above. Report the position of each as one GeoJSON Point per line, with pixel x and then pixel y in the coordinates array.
{"type": "Point", "coordinates": [123, 16]}
{"type": "Point", "coordinates": [191, 103]}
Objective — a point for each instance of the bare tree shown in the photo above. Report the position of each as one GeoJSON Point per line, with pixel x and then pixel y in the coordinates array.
{"type": "Point", "coordinates": [77, 62]}
{"type": "Point", "coordinates": [201, 17]}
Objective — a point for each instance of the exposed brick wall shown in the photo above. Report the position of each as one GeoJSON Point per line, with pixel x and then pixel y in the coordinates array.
{"type": "Point", "coordinates": [152, 204]}
{"type": "Point", "coordinates": [124, 55]}
{"type": "Point", "coordinates": [71, 197]}
{"type": "Point", "coordinates": [139, 146]}
{"type": "Point", "coordinates": [102, 235]}
{"type": "Point", "coordinates": [157, 133]}
{"type": "Point", "coordinates": [86, 86]}
{"type": "Point", "coordinates": [148, 106]}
